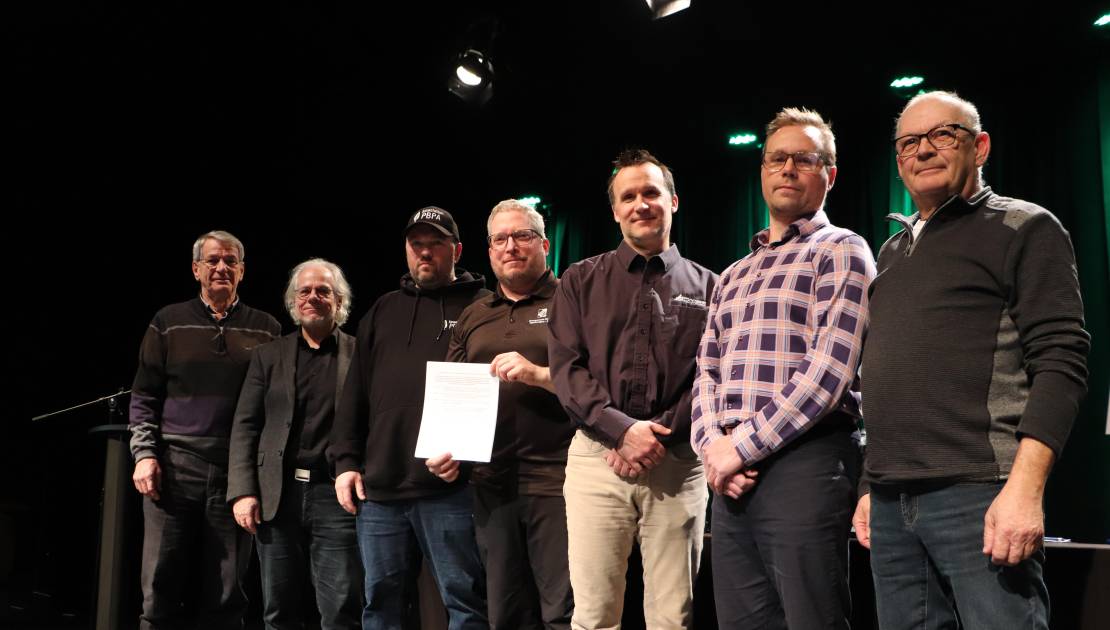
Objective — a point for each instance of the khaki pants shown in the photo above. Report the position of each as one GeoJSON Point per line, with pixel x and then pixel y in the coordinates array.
{"type": "Point", "coordinates": [663, 509]}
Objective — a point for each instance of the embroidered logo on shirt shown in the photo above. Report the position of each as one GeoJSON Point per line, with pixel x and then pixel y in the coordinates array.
{"type": "Point", "coordinates": [688, 301]}
{"type": "Point", "coordinates": [541, 317]}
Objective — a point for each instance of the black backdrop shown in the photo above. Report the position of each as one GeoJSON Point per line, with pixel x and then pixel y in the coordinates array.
{"type": "Point", "coordinates": [315, 130]}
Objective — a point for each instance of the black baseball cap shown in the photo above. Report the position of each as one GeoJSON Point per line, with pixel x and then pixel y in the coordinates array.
{"type": "Point", "coordinates": [436, 217]}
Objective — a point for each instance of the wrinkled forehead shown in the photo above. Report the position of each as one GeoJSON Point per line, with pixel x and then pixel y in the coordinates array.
{"type": "Point", "coordinates": [213, 247]}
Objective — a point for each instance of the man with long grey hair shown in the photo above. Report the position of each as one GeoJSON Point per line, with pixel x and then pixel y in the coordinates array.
{"type": "Point", "coordinates": [280, 485]}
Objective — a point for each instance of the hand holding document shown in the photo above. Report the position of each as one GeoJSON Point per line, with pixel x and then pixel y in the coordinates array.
{"type": "Point", "coordinates": [460, 412]}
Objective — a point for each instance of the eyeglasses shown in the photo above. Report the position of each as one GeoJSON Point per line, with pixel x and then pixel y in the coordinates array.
{"type": "Point", "coordinates": [323, 293]}
{"type": "Point", "coordinates": [941, 137]}
{"type": "Point", "coordinates": [230, 261]}
{"type": "Point", "coordinates": [520, 237]}
{"type": "Point", "coordinates": [804, 161]}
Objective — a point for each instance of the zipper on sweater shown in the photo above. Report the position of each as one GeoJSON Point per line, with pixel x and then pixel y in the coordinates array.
{"type": "Point", "coordinates": [907, 227]}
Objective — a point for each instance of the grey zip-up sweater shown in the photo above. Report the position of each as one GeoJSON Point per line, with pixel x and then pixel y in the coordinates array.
{"type": "Point", "coordinates": [976, 340]}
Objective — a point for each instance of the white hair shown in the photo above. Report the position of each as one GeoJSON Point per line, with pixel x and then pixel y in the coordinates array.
{"type": "Point", "coordinates": [535, 219]}
{"type": "Point", "coordinates": [342, 289]}
{"type": "Point", "coordinates": [969, 114]}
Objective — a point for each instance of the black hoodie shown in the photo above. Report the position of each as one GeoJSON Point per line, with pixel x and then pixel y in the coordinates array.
{"type": "Point", "coordinates": [378, 419]}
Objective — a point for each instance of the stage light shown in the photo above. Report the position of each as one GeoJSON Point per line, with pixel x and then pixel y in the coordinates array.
{"type": "Point", "coordinates": [663, 8]}
{"type": "Point", "coordinates": [472, 80]}
{"type": "Point", "coordinates": [1103, 21]}
{"type": "Point", "coordinates": [906, 82]}
{"type": "Point", "coordinates": [467, 77]}
{"type": "Point", "coordinates": [744, 138]}
{"type": "Point", "coordinates": [531, 200]}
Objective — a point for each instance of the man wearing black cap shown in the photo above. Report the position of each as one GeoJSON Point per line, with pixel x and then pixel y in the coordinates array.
{"type": "Point", "coordinates": [403, 509]}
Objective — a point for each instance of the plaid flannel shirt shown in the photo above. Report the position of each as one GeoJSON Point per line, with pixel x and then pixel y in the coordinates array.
{"type": "Point", "coordinates": [783, 339]}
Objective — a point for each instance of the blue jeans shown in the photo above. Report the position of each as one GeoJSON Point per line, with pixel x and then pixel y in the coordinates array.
{"type": "Point", "coordinates": [392, 535]}
{"type": "Point", "coordinates": [310, 536]}
{"type": "Point", "coordinates": [929, 568]}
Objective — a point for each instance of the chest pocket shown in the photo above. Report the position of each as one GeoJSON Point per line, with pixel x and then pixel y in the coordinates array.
{"type": "Point", "coordinates": [682, 328]}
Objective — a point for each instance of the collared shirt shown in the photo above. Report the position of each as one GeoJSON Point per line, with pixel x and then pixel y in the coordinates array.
{"type": "Point", "coordinates": [533, 431]}
{"type": "Point", "coordinates": [623, 340]}
{"type": "Point", "coordinates": [214, 314]}
{"type": "Point", "coordinates": [315, 403]}
{"type": "Point", "coordinates": [783, 342]}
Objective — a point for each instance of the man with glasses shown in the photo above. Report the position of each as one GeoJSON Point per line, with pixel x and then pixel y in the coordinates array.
{"type": "Point", "coordinates": [519, 512]}
{"type": "Point", "coordinates": [191, 365]}
{"type": "Point", "coordinates": [403, 510]}
{"type": "Point", "coordinates": [279, 482]}
{"type": "Point", "coordinates": [624, 331]}
{"type": "Point", "coordinates": [973, 370]}
{"type": "Point", "coordinates": [776, 405]}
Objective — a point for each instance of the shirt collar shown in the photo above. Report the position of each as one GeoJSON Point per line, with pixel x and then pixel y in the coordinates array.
{"type": "Point", "coordinates": [628, 257]}
{"type": "Point", "coordinates": [331, 342]}
{"type": "Point", "coordinates": [544, 289]}
{"type": "Point", "coordinates": [212, 312]}
{"type": "Point", "coordinates": [804, 226]}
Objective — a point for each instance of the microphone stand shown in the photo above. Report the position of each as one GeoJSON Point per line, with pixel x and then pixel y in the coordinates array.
{"type": "Point", "coordinates": [113, 507]}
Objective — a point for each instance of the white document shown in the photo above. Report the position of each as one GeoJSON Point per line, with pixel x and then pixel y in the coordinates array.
{"type": "Point", "coordinates": [460, 412]}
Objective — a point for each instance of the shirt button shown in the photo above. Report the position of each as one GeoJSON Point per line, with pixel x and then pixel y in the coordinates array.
{"type": "Point", "coordinates": [644, 307]}
{"type": "Point", "coordinates": [643, 332]}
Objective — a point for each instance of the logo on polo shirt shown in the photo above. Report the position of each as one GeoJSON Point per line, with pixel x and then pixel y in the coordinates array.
{"type": "Point", "coordinates": [692, 302]}
{"type": "Point", "coordinates": [541, 317]}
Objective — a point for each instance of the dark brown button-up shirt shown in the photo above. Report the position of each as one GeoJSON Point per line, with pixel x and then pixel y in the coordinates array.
{"type": "Point", "coordinates": [624, 337]}
{"type": "Point", "coordinates": [533, 432]}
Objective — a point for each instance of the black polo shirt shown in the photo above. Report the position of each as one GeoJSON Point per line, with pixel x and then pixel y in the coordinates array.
{"type": "Point", "coordinates": [533, 430]}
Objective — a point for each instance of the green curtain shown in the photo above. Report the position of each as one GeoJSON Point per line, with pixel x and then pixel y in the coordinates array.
{"type": "Point", "coordinates": [566, 240]}
{"type": "Point", "coordinates": [899, 200]}
{"type": "Point", "coordinates": [1103, 109]}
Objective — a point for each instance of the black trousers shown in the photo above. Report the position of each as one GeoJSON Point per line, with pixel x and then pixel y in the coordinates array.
{"type": "Point", "coordinates": [523, 543]}
{"type": "Point", "coordinates": [780, 552]}
{"type": "Point", "coordinates": [193, 551]}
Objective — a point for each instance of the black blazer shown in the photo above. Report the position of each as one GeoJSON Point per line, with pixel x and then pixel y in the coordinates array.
{"type": "Point", "coordinates": [264, 415]}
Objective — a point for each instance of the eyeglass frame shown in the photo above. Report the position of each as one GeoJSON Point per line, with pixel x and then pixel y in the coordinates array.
{"type": "Point", "coordinates": [823, 161]}
{"type": "Point", "coordinates": [513, 235]}
{"type": "Point", "coordinates": [324, 292]}
{"type": "Point", "coordinates": [925, 136]}
{"type": "Point", "coordinates": [233, 264]}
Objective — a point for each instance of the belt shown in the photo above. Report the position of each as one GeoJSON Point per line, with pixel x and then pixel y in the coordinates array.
{"type": "Point", "coordinates": [306, 475]}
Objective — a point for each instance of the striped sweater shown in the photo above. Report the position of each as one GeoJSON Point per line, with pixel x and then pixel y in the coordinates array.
{"type": "Point", "coordinates": [190, 370]}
